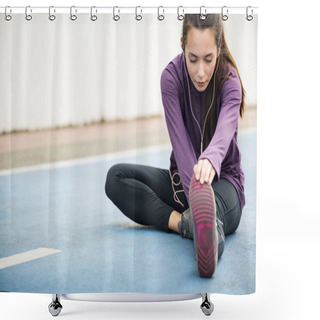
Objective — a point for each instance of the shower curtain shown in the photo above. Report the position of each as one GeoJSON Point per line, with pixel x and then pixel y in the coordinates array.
{"type": "Point", "coordinates": [79, 93]}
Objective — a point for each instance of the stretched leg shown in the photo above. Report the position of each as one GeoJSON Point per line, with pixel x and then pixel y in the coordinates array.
{"type": "Point", "coordinates": [228, 210]}
{"type": "Point", "coordinates": [143, 193]}
{"type": "Point", "coordinates": [205, 234]}
{"type": "Point", "coordinates": [215, 212]}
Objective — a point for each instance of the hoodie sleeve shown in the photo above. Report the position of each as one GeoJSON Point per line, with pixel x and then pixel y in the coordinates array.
{"type": "Point", "coordinates": [231, 96]}
{"type": "Point", "coordinates": [181, 144]}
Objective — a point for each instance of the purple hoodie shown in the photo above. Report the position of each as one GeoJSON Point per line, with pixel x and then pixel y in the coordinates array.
{"type": "Point", "coordinates": [222, 151]}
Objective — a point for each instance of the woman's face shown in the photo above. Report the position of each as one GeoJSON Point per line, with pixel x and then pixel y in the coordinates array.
{"type": "Point", "coordinates": [201, 53]}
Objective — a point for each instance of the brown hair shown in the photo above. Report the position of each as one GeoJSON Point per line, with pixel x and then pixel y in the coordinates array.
{"type": "Point", "coordinates": [215, 23]}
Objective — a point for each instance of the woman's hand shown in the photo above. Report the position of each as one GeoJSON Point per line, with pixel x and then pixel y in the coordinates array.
{"type": "Point", "coordinates": [204, 171]}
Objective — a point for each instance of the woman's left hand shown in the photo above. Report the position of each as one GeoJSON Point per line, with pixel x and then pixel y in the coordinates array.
{"type": "Point", "coordinates": [204, 171]}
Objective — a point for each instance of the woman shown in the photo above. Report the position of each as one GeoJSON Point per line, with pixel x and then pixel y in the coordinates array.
{"type": "Point", "coordinates": [201, 196]}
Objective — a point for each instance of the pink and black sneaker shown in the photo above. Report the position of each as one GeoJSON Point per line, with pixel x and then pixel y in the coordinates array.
{"type": "Point", "coordinates": [205, 234]}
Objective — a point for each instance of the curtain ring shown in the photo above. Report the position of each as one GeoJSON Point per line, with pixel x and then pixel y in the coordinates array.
{"type": "Point", "coordinates": [138, 16]}
{"type": "Point", "coordinates": [160, 16]}
{"type": "Point", "coordinates": [180, 16]}
{"type": "Point", "coordinates": [52, 17]}
{"type": "Point", "coordinates": [28, 16]}
{"type": "Point", "coordinates": [203, 15]}
{"type": "Point", "coordinates": [93, 17]}
{"type": "Point", "coordinates": [7, 16]}
{"type": "Point", "coordinates": [249, 16]}
{"type": "Point", "coordinates": [116, 17]}
{"type": "Point", "coordinates": [73, 16]}
{"type": "Point", "coordinates": [224, 15]}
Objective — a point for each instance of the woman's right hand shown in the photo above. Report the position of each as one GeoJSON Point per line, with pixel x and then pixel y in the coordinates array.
{"type": "Point", "coordinates": [204, 171]}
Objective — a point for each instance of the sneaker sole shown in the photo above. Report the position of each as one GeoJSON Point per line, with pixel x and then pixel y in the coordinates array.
{"type": "Point", "coordinates": [202, 203]}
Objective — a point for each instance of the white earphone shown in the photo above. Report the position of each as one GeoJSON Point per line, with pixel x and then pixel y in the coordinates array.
{"type": "Point", "coordinates": [190, 103]}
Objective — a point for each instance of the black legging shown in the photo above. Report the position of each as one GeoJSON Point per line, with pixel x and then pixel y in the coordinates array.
{"type": "Point", "coordinates": [144, 194]}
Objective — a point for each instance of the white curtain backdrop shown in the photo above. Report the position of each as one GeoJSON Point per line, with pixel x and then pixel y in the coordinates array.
{"type": "Point", "coordinates": [61, 73]}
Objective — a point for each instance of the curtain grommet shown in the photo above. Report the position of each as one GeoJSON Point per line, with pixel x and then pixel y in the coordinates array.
{"type": "Point", "coordinates": [7, 16]}
{"type": "Point", "coordinates": [138, 16]}
{"type": "Point", "coordinates": [28, 16]}
{"type": "Point", "coordinates": [160, 16]}
{"type": "Point", "coordinates": [116, 17]}
{"type": "Point", "coordinates": [224, 13]}
{"type": "Point", "coordinates": [180, 16]}
{"type": "Point", "coordinates": [52, 10]}
{"type": "Point", "coordinates": [93, 17]}
{"type": "Point", "coordinates": [73, 12]}
{"type": "Point", "coordinates": [249, 17]}
{"type": "Point", "coordinates": [203, 16]}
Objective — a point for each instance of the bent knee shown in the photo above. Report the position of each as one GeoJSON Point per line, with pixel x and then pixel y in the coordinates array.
{"type": "Point", "coordinates": [112, 179]}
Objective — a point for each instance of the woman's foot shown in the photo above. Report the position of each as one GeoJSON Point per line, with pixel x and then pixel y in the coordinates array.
{"type": "Point", "coordinates": [205, 235]}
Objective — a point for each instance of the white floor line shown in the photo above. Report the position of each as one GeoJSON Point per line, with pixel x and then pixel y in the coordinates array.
{"type": "Point", "coordinates": [26, 256]}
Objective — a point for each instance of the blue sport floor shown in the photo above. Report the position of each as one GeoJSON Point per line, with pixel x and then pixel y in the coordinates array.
{"type": "Point", "coordinates": [65, 208]}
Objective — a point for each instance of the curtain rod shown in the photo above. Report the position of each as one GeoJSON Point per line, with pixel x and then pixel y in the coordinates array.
{"type": "Point", "coordinates": [133, 7]}
{"type": "Point", "coordinates": [128, 9]}
{"type": "Point", "coordinates": [118, 11]}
